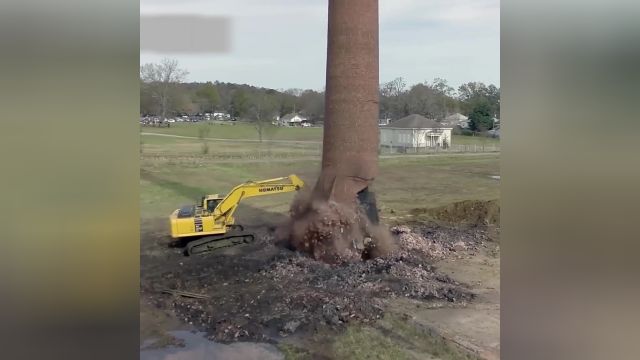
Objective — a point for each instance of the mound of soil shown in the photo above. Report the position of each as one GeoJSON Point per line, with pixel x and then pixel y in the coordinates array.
{"type": "Point", "coordinates": [469, 212]}
{"type": "Point", "coordinates": [262, 291]}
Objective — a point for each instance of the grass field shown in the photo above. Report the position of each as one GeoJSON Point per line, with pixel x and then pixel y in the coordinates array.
{"type": "Point", "coordinates": [240, 131]}
{"type": "Point", "coordinates": [248, 132]}
{"type": "Point", "coordinates": [173, 172]}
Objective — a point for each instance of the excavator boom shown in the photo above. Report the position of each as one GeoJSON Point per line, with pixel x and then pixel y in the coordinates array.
{"type": "Point", "coordinates": [257, 188]}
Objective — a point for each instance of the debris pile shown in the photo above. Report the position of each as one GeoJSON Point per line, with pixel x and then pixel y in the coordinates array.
{"type": "Point", "coordinates": [409, 242]}
{"type": "Point", "coordinates": [269, 291]}
{"type": "Point", "coordinates": [333, 232]}
{"type": "Point", "coordinates": [438, 242]}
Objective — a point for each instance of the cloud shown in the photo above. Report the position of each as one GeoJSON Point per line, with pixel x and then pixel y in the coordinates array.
{"type": "Point", "coordinates": [445, 11]}
{"type": "Point", "coordinates": [282, 43]}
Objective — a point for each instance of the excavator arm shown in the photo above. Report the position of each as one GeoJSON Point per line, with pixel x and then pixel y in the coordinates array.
{"type": "Point", "coordinates": [228, 205]}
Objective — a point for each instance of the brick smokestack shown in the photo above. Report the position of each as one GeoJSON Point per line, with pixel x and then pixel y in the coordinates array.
{"type": "Point", "coordinates": [351, 137]}
{"type": "Point", "coordinates": [338, 221]}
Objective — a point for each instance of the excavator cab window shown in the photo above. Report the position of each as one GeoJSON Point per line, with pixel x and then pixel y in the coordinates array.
{"type": "Point", "coordinates": [211, 204]}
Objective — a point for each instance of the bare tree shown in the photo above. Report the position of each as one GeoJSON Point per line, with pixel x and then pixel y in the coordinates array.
{"type": "Point", "coordinates": [421, 99]}
{"type": "Point", "coordinates": [446, 92]}
{"type": "Point", "coordinates": [160, 79]}
{"type": "Point", "coordinates": [263, 109]}
{"type": "Point", "coordinates": [203, 133]}
{"type": "Point", "coordinates": [208, 96]}
{"type": "Point", "coordinates": [311, 103]}
{"type": "Point", "coordinates": [392, 102]}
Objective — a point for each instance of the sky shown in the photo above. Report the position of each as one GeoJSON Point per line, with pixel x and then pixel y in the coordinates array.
{"type": "Point", "coordinates": [281, 44]}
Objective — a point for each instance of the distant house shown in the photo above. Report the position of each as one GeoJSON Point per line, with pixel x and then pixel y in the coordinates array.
{"type": "Point", "coordinates": [382, 122]}
{"type": "Point", "coordinates": [415, 132]}
{"type": "Point", "coordinates": [456, 119]}
{"type": "Point", "coordinates": [292, 119]}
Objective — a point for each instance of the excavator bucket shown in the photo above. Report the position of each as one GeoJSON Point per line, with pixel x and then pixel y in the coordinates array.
{"type": "Point", "coordinates": [367, 200]}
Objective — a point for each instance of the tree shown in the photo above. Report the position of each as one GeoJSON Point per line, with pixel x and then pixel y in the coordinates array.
{"type": "Point", "coordinates": [263, 109]}
{"type": "Point", "coordinates": [159, 80]}
{"type": "Point", "coordinates": [445, 93]}
{"type": "Point", "coordinates": [203, 133]}
{"type": "Point", "coordinates": [493, 95]}
{"type": "Point", "coordinates": [287, 103]}
{"type": "Point", "coordinates": [311, 104]}
{"type": "Point", "coordinates": [422, 99]}
{"type": "Point", "coordinates": [294, 92]}
{"type": "Point", "coordinates": [148, 105]}
{"type": "Point", "coordinates": [181, 101]}
{"type": "Point", "coordinates": [239, 103]}
{"type": "Point", "coordinates": [392, 98]}
{"type": "Point", "coordinates": [209, 97]}
{"type": "Point", "coordinates": [480, 118]}
{"type": "Point", "coordinates": [473, 93]}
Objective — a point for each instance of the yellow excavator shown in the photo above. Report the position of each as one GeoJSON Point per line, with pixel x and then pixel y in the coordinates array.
{"type": "Point", "coordinates": [210, 225]}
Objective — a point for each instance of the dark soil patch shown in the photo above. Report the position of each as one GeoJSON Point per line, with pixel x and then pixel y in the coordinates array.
{"type": "Point", "coordinates": [262, 292]}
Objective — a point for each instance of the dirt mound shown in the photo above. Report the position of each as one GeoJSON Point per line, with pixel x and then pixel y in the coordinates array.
{"type": "Point", "coordinates": [469, 212]}
{"type": "Point", "coordinates": [263, 291]}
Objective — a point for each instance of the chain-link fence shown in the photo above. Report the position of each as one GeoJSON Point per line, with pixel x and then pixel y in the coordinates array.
{"type": "Point", "coordinates": [456, 148]}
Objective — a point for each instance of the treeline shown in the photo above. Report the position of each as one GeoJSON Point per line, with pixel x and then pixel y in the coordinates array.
{"type": "Point", "coordinates": [436, 99]}
{"type": "Point", "coordinates": [163, 92]}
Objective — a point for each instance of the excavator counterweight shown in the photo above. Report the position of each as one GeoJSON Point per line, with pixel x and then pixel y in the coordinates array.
{"type": "Point", "coordinates": [210, 225]}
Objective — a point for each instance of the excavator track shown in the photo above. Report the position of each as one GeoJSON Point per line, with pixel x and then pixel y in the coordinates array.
{"type": "Point", "coordinates": [212, 243]}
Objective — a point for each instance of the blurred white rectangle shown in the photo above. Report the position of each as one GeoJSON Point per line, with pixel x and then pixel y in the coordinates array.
{"type": "Point", "coordinates": [185, 34]}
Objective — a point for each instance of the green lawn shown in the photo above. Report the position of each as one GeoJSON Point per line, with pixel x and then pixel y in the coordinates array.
{"type": "Point", "coordinates": [169, 146]}
{"type": "Point", "coordinates": [248, 132]}
{"type": "Point", "coordinates": [471, 140]}
{"type": "Point", "coordinates": [174, 172]}
{"type": "Point", "coordinates": [234, 130]}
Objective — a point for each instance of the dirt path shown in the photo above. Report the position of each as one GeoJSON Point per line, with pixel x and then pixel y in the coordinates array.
{"type": "Point", "coordinates": [235, 140]}
{"type": "Point", "coordinates": [475, 328]}
{"type": "Point", "coordinates": [305, 158]}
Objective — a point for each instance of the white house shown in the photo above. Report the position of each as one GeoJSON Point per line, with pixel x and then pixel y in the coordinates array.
{"type": "Point", "coordinates": [456, 119]}
{"type": "Point", "coordinates": [292, 119]}
{"type": "Point", "coordinates": [415, 132]}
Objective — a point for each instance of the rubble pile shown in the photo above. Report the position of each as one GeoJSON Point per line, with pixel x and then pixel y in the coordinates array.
{"type": "Point", "coordinates": [409, 242]}
{"type": "Point", "coordinates": [437, 243]}
{"type": "Point", "coordinates": [270, 291]}
{"type": "Point", "coordinates": [333, 232]}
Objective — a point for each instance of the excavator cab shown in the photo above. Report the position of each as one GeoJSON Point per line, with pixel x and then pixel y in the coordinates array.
{"type": "Point", "coordinates": [210, 202]}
